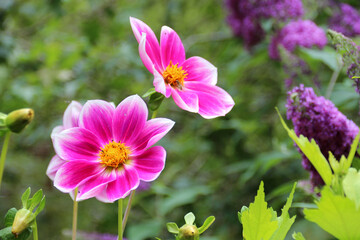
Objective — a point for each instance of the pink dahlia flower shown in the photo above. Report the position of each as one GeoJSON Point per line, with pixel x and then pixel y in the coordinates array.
{"type": "Point", "coordinates": [111, 150]}
{"type": "Point", "coordinates": [191, 82]}
{"type": "Point", "coordinates": [70, 120]}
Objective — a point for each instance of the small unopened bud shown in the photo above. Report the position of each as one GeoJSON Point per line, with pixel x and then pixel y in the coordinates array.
{"type": "Point", "coordinates": [23, 219]}
{"type": "Point", "coordinates": [188, 232]}
{"type": "Point", "coordinates": [17, 120]}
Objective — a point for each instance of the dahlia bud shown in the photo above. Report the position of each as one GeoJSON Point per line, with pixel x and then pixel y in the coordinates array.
{"type": "Point", "coordinates": [23, 219]}
{"type": "Point", "coordinates": [188, 232]}
{"type": "Point", "coordinates": [17, 120]}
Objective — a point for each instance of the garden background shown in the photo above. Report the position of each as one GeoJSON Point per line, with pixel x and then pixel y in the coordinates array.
{"type": "Point", "coordinates": [55, 51]}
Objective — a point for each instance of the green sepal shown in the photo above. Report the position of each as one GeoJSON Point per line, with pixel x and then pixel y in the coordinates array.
{"type": "Point", "coordinates": [35, 200]}
{"type": "Point", "coordinates": [41, 206]}
{"type": "Point", "coordinates": [10, 216]}
{"type": "Point", "coordinates": [25, 197]}
{"type": "Point", "coordinates": [172, 227]}
{"type": "Point", "coordinates": [155, 101]}
{"type": "Point", "coordinates": [149, 93]}
{"type": "Point", "coordinates": [3, 127]}
{"type": "Point", "coordinates": [189, 218]}
{"type": "Point", "coordinates": [207, 223]}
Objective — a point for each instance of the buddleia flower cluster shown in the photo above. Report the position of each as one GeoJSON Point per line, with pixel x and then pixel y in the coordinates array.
{"type": "Point", "coordinates": [346, 20]}
{"type": "Point", "coordinates": [317, 118]}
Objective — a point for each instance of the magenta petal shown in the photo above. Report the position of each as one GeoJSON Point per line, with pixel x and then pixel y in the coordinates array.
{"type": "Point", "coordinates": [73, 173]}
{"type": "Point", "coordinates": [71, 115]}
{"type": "Point", "coordinates": [96, 116]}
{"type": "Point", "coordinates": [151, 46]}
{"type": "Point", "coordinates": [95, 185]}
{"type": "Point", "coordinates": [213, 101]}
{"type": "Point", "coordinates": [129, 119]}
{"type": "Point", "coordinates": [150, 163]}
{"type": "Point", "coordinates": [143, 55]}
{"type": "Point", "coordinates": [159, 83]}
{"type": "Point", "coordinates": [127, 180]}
{"type": "Point", "coordinates": [77, 144]}
{"type": "Point", "coordinates": [171, 47]}
{"type": "Point", "coordinates": [153, 131]}
{"type": "Point", "coordinates": [186, 100]}
{"type": "Point", "coordinates": [56, 130]}
{"type": "Point", "coordinates": [200, 70]}
{"type": "Point", "coordinates": [54, 165]}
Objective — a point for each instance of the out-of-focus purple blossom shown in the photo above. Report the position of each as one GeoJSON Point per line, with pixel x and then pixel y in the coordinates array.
{"type": "Point", "coordinates": [93, 235]}
{"type": "Point", "coordinates": [317, 118]}
{"type": "Point", "coordinates": [143, 186]}
{"type": "Point", "coordinates": [353, 71]}
{"type": "Point", "coordinates": [245, 16]}
{"type": "Point", "coordinates": [346, 21]}
{"type": "Point", "coordinates": [303, 33]}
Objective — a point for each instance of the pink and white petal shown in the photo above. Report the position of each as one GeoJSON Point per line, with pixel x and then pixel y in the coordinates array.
{"type": "Point", "coordinates": [150, 163]}
{"type": "Point", "coordinates": [186, 100]}
{"type": "Point", "coordinates": [127, 180]}
{"type": "Point", "coordinates": [159, 83]}
{"type": "Point", "coordinates": [200, 70]}
{"type": "Point", "coordinates": [102, 196]}
{"type": "Point", "coordinates": [71, 115]}
{"type": "Point", "coordinates": [148, 63]}
{"type": "Point", "coordinates": [73, 173]}
{"type": "Point", "coordinates": [77, 144]}
{"type": "Point", "coordinates": [54, 165]}
{"type": "Point", "coordinates": [152, 47]}
{"type": "Point", "coordinates": [171, 47]}
{"type": "Point", "coordinates": [129, 119]}
{"type": "Point", "coordinates": [95, 185]}
{"type": "Point", "coordinates": [213, 100]}
{"type": "Point", "coordinates": [154, 130]}
{"type": "Point", "coordinates": [56, 130]}
{"type": "Point", "coordinates": [96, 116]}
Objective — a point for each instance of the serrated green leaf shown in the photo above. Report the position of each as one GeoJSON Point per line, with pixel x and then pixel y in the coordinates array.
{"type": "Point", "coordinates": [257, 220]}
{"type": "Point", "coordinates": [336, 214]}
{"type": "Point", "coordinates": [312, 152]}
{"type": "Point", "coordinates": [41, 206]}
{"type": "Point", "coordinates": [206, 224]}
{"type": "Point", "coordinates": [351, 186]}
{"type": "Point", "coordinates": [10, 216]}
{"type": "Point", "coordinates": [172, 227]}
{"type": "Point", "coordinates": [284, 221]}
{"type": "Point", "coordinates": [25, 197]}
{"type": "Point", "coordinates": [189, 218]}
{"type": "Point", "coordinates": [298, 236]}
{"type": "Point", "coordinates": [35, 200]}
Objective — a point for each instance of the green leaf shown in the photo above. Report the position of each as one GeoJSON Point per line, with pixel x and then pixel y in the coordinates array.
{"type": "Point", "coordinates": [41, 206]}
{"type": "Point", "coordinates": [35, 200]}
{"type": "Point", "coordinates": [312, 152]}
{"type": "Point", "coordinates": [155, 101]}
{"type": "Point", "coordinates": [336, 214]}
{"type": "Point", "coordinates": [5, 234]}
{"type": "Point", "coordinates": [206, 224]}
{"type": "Point", "coordinates": [298, 236]}
{"type": "Point", "coordinates": [326, 55]}
{"type": "Point", "coordinates": [10, 216]}
{"type": "Point", "coordinates": [25, 197]}
{"type": "Point", "coordinates": [258, 221]}
{"type": "Point", "coordinates": [285, 222]}
{"type": "Point", "coordinates": [351, 186]}
{"type": "Point", "coordinates": [172, 227]}
{"type": "Point", "coordinates": [189, 218]}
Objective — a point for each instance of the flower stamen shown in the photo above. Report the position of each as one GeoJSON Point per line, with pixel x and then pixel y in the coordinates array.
{"type": "Point", "coordinates": [114, 154]}
{"type": "Point", "coordinates": [174, 75]}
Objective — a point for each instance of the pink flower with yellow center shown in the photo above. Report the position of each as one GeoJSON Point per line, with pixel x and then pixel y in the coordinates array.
{"type": "Point", "coordinates": [191, 82]}
{"type": "Point", "coordinates": [111, 150]}
{"type": "Point", "coordinates": [70, 120]}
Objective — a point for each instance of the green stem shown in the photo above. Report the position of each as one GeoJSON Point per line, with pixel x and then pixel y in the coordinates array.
{"type": "Point", "coordinates": [120, 220]}
{"type": "Point", "coordinates": [3, 154]}
{"type": "Point", "coordinates": [128, 208]}
{"type": "Point", "coordinates": [154, 114]}
{"type": "Point", "coordinates": [75, 213]}
{"type": "Point", "coordinates": [333, 79]}
{"type": "Point", "coordinates": [35, 230]}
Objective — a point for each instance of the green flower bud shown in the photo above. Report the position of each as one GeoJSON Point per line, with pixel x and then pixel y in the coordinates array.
{"type": "Point", "coordinates": [17, 120]}
{"type": "Point", "coordinates": [23, 220]}
{"type": "Point", "coordinates": [188, 232]}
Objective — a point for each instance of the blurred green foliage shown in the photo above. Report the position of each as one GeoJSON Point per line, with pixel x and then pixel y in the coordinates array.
{"type": "Point", "coordinates": [55, 51]}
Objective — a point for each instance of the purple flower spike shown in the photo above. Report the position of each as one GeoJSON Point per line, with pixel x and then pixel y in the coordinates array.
{"type": "Point", "coordinates": [302, 33]}
{"type": "Point", "coordinates": [111, 150]}
{"type": "Point", "coordinates": [317, 118]}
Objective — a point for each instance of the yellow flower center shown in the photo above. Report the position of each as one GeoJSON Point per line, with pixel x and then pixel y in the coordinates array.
{"type": "Point", "coordinates": [114, 154]}
{"type": "Point", "coordinates": [174, 75]}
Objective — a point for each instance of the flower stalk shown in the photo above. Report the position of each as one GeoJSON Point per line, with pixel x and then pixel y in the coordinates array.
{"type": "Point", "coordinates": [75, 213]}
{"type": "Point", "coordinates": [120, 220]}
{"type": "Point", "coordinates": [3, 154]}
